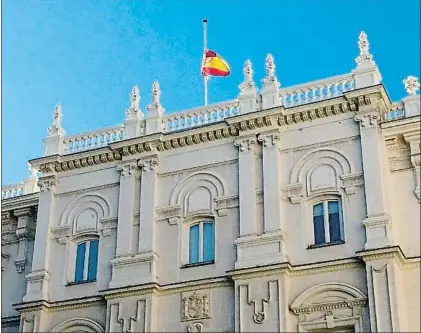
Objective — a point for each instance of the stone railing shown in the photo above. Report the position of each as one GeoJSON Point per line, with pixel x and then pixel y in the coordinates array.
{"type": "Point", "coordinates": [93, 139]}
{"type": "Point", "coordinates": [397, 111]}
{"type": "Point", "coordinates": [27, 186]}
{"type": "Point", "coordinates": [200, 116]}
{"type": "Point", "coordinates": [316, 90]}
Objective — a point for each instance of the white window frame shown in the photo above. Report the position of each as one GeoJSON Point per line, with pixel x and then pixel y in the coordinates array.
{"type": "Point", "coordinates": [185, 239]}
{"type": "Point", "coordinates": [71, 253]}
{"type": "Point", "coordinates": [311, 240]}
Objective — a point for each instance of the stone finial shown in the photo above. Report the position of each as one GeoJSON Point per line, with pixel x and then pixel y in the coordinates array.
{"type": "Point", "coordinates": [248, 84]}
{"type": "Point", "coordinates": [365, 57]}
{"type": "Point", "coordinates": [56, 128]}
{"type": "Point", "coordinates": [135, 99]}
{"type": "Point", "coordinates": [156, 98]}
{"type": "Point", "coordinates": [411, 85]}
{"type": "Point", "coordinates": [270, 72]}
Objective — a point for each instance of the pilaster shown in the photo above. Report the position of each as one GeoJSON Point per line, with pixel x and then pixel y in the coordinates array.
{"type": "Point", "coordinates": [38, 278]}
{"type": "Point", "coordinates": [125, 246]}
{"type": "Point", "coordinates": [24, 216]}
{"type": "Point", "coordinates": [247, 184]}
{"type": "Point", "coordinates": [375, 165]}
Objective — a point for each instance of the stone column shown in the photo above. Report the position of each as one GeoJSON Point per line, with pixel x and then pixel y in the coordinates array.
{"type": "Point", "coordinates": [247, 185]}
{"type": "Point", "coordinates": [39, 276]}
{"type": "Point", "coordinates": [126, 208]}
{"type": "Point", "coordinates": [375, 167]}
{"type": "Point", "coordinates": [23, 233]}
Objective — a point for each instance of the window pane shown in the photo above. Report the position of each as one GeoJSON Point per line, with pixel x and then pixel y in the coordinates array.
{"type": "Point", "coordinates": [80, 261]}
{"type": "Point", "coordinates": [93, 260]}
{"type": "Point", "coordinates": [319, 229]}
{"type": "Point", "coordinates": [208, 242]}
{"type": "Point", "coordinates": [334, 221]}
{"type": "Point", "coordinates": [318, 210]}
{"type": "Point", "coordinates": [194, 244]}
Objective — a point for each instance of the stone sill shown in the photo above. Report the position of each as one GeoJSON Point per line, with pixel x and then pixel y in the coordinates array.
{"type": "Point", "coordinates": [316, 246]}
{"type": "Point", "coordinates": [78, 283]}
{"type": "Point", "coordinates": [198, 264]}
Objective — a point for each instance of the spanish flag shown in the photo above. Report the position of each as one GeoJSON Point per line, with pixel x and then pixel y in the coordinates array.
{"type": "Point", "coordinates": [214, 65]}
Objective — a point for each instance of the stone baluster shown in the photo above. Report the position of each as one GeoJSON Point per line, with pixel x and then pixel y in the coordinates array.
{"type": "Point", "coordinates": [247, 185]}
{"type": "Point", "coordinates": [53, 143]}
{"type": "Point", "coordinates": [24, 216]}
{"type": "Point", "coordinates": [248, 91]}
{"type": "Point", "coordinates": [133, 115]}
{"type": "Point", "coordinates": [154, 121]}
{"type": "Point", "coordinates": [373, 149]}
{"type": "Point", "coordinates": [38, 278]}
{"type": "Point", "coordinates": [367, 73]}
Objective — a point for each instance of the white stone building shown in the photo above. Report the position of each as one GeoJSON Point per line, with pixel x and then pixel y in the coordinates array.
{"type": "Point", "coordinates": [285, 209]}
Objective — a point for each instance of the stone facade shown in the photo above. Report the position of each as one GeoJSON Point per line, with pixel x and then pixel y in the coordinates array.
{"type": "Point", "coordinates": [255, 167]}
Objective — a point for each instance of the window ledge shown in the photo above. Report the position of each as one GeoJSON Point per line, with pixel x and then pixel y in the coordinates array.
{"type": "Point", "coordinates": [316, 246]}
{"type": "Point", "coordinates": [202, 263]}
{"type": "Point", "coordinates": [78, 283]}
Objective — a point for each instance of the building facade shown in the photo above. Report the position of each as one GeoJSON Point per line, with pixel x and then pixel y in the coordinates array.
{"type": "Point", "coordinates": [286, 209]}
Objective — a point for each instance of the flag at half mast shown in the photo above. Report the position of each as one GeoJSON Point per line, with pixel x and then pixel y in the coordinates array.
{"type": "Point", "coordinates": [214, 65]}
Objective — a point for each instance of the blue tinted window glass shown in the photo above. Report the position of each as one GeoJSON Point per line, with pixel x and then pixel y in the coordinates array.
{"type": "Point", "coordinates": [93, 260]}
{"type": "Point", "coordinates": [80, 262]}
{"type": "Point", "coordinates": [319, 224]}
{"type": "Point", "coordinates": [194, 244]}
{"type": "Point", "coordinates": [208, 242]}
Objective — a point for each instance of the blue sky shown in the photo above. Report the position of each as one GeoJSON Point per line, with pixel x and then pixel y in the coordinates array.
{"type": "Point", "coordinates": [87, 55]}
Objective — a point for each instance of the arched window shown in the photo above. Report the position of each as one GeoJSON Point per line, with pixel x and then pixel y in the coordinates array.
{"type": "Point", "coordinates": [328, 222]}
{"type": "Point", "coordinates": [86, 261]}
{"type": "Point", "coordinates": [202, 242]}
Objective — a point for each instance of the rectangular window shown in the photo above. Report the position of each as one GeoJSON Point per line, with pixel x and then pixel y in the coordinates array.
{"type": "Point", "coordinates": [327, 221]}
{"type": "Point", "coordinates": [201, 242]}
{"type": "Point", "coordinates": [86, 261]}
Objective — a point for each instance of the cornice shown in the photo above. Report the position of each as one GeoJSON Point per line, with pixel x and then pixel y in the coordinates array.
{"type": "Point", "coordinates": [404, 126]}
{"type": "Point", "coordinates": [71, 304]}
{"type": "Point", "coordinates": [250, 123]}
{"type": "Point", "coordinates": [23, 201]}
{"type": "Point", "coordinates": [393, 252]}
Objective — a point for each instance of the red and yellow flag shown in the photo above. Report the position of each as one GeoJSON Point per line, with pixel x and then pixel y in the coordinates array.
{"type": "Point", "coordinates": [214, 65]}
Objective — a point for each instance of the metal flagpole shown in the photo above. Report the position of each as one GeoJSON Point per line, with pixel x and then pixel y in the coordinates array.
{"type": "Point", "coordinates": [205, 46]}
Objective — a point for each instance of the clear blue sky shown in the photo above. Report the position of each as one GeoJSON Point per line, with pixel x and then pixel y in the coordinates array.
{"type": "Point", "coordinates": [87, 55]}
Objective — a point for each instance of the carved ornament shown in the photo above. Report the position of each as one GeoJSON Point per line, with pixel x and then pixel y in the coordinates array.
{"type": "Point", "coordinates": [195, 306]}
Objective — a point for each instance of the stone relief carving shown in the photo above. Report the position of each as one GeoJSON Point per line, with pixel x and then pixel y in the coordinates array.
{"type": "Point", "coordinates": [195, 306]}
{"type": "Point", "coordinates": [46, 184]}
{"type": "Point", "coordinates": [195, 327]}
{"type": "Point", "coordinates": [124, 324]}
{"type": "Point", "coordinates": [259, 307]}
{"type": "Point", "coordinates": [411, 85]}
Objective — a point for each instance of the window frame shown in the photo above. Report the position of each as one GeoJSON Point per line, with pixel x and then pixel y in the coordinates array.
{"type": "Point", "coordinates": [72, 247]}
{"type": "Point", "coordinates": [342, 219]}
{"type": "Point", "coordinates": [197, 219]}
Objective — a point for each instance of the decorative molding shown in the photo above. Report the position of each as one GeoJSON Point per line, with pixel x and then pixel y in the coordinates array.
{"type": "Point", "coordinates": [350, 181]}
{"type": "Point", "coordinates": [293, 192]}
{"type": "Point", "coordinates": [367, 119]}
{"type": "Point", "coordinates": [171, 213]}
{"type": "Point", "coordinates": [127, 168]}
{"type": "Point", "coordinates": [79, 325]}
{"type": "Point", "coordinates": [148, 165]}
{"type": "Point", "coordinates": [269, 139]}
{"type": "Point", "coordinates": [45, 184]}
{"type": "Point", "coordinates": [259, 312]}
{"type": "Point", "coordinates": [245, 144]}
{"type": "Point", "coordinates": [107, 225]}
{"type": "Point", "coordinates": [195, 306]}
{"type": "Point", "coordinates": [225, 203]}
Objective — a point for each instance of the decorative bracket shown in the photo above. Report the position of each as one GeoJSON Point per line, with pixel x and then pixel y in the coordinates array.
{"type": "Point", "coordinates": [294, 192]}
{"type": "Point", "coordinates": [172, 214]}
{"type": "Point", "coordinates": [350, 181]}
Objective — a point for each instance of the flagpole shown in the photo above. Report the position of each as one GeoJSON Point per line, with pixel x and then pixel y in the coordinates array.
{"type": "Point", "coordinates": [205, 46]}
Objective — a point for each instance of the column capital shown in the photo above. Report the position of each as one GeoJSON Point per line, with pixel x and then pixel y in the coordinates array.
{"type": "Point", "coordinates": [127, 168]}
{"type": "Point", "coordinates": [269, 139]}
{"type": "Point", "coordinates": [148, 164]}
{"type": "Point", "coordinates": [367, 119]}
{"type": "Point", "coordinates": [45, 184]}
{"type": "Point", "coordinates": [245, 143]}
{"type": "Point", "coordinates": [23, 212]}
